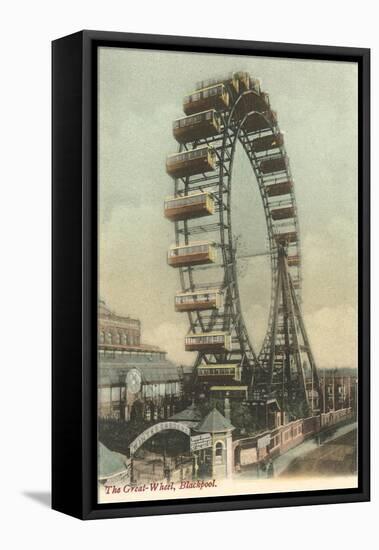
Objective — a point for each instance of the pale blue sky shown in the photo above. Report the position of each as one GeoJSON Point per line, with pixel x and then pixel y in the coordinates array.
{"type": "Point", "coordinates": [140, 94]}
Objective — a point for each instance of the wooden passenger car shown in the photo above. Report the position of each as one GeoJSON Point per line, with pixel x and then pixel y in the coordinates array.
{"type": "Point", "coordinates": [243, 78]}
{"type": "Point", "coordinates": [266, 143]}
{"type": "Point", "coordinates": [293, 260]}
{"type": "Point", "coordinates": [188, 163]}
{"type": "Point", "coordinates": [296, 283]}
{"type": "Point", "coordinates": [239, 81]}
{"type": "Point", "coordinates": [195, 205]}
{"type": "Point", "coordinates": [192, 254]}
{"type": "Point", "coordinates": [278, 189]}
{"type": "Point", "coordinates": [274, 164]}
{"type": "Point", "coordinates": [223, 372]}
{"type": "Point", "coordinates": [200, 125]}
{"type": "Point", "coordinates": [214, 97]}
{"type": "Point", "coordinates": [283, 213]}
{"type": "Point", "coordinates": [284, 238]}
{"type": "Point", "coordinates": [209, 342]}
{"type": "Point", "coordinates": [232, 80]}
{"type": "Point", "coordinates": [246, 82]}
{"type": "Point", "coordinates": [199, 300]}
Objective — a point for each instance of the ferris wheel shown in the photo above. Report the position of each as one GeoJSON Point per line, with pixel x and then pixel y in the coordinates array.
{"type": "Point", "coordinates": [221, 113]}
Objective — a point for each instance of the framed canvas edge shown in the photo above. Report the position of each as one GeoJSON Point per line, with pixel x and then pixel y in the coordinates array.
{"type": "Point", "coordinates": [87, 507]}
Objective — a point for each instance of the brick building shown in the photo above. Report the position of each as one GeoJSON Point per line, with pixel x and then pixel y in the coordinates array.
{"type": "Point", "coordinates": [116, 330]}
{"type": "Point", "coordinates": [135, 380]}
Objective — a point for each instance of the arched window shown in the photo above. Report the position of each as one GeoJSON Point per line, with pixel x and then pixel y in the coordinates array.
{"type": "Point", "coordinates": [102, 337]}
{"type": "Point", "coordinates": [219, 453]}
{"type": "Point", "coordinates": [118, 338]}
{"type": "Point", "coordinates": [124, 339]}
{"type": "Point", "coordinates": [109, 338]}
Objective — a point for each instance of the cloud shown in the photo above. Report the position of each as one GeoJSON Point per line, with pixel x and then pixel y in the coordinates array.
{"type": "Point", "coordinates": [135, 137]}
{"type": "Point", "coordinates": [333, 333]}
{"type": "Point", "coordinates": [256, 319]}
{"type": "Point", "coordinates": [170, 337]}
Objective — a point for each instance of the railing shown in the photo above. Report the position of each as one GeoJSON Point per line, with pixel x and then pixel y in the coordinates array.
{"type": "Point", "coordinates": [290, 434]}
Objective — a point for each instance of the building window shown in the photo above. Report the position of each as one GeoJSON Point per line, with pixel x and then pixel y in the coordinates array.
{"type": "Point", "coordinates": [219, 451]}
{"type": "Point", "coordinates": [104, 395]}
{"type": "Point", "coordinates": [148, 389]}
{"type": "Point", "coordinates": [125, 339]}
{"type": "Point", "coordinates": [109, 338]}
{"type": "Point", "coordinates": [115, 394]}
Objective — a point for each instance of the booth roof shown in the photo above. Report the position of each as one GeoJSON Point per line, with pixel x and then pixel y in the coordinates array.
{"type": "Point", "coordinates": [191, 414]}
{"type": "Point", "coordinates": [215, 422]}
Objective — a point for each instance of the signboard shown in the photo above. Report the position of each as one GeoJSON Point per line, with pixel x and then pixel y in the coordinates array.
{"type": "Point", "coordinates": [202, 441]}
{"type": "Point", "coordinates": [264, 441]}
{"type": "Point", "coordinates": [160, 427]}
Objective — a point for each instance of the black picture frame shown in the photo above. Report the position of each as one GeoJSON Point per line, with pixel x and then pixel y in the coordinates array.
{"type": "Point", "coordinates": [74, 272]}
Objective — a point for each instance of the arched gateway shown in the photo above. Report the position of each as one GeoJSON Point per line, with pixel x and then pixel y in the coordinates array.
{"type": "Point", "coordinates": [214, 432]}
{"type": "Point", "coordinates": [153, 430]}
{"type": "Point", "coordinates": [150, 432]}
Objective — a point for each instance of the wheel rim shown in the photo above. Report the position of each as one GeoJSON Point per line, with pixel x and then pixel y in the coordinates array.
{"type": "Point", "coordinates": [230, 317]}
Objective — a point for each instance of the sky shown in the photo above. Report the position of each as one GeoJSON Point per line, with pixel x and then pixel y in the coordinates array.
{"type": "Point", "coordinates": [140, 94]}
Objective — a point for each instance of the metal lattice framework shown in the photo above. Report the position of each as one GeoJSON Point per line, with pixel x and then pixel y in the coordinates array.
{"type": "Point", "coordinates": [291, 368]}
{"type": "Point", "coordinates": [249, 120]}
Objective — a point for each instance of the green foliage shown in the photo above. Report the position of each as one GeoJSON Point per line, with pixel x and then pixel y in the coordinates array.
{"type": "Point", "coordinates": [118, 434]}
{"type": "Point", "coordinates": [298, 410]}
{"type": "Point", "coordinates": [243, 418]}
{"type": "Point", "coordinates": [242, 415]}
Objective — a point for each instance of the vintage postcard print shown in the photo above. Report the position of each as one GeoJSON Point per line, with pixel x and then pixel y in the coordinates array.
{"type": "Point", "coordinates": [227, 310]}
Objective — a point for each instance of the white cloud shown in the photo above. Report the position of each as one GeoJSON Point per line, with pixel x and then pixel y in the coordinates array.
{"type": "Point", "coordinates": [333, 336]}
{"type": "Point", "coordinates": [135, 138]}
{"type": "Point", "coordinates": [170, 337]}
